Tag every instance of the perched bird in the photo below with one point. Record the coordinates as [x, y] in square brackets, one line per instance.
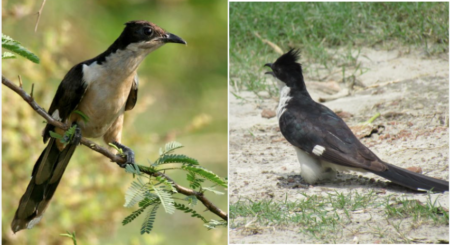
[93, 95]
[322, 140]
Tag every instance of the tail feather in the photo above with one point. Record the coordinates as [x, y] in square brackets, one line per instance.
[413, 180]
[47, 173]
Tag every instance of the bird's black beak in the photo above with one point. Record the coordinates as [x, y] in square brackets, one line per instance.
[269, 72]
[172, 38]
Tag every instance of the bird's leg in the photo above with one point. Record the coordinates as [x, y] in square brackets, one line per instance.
[76, 138]
[129, 154]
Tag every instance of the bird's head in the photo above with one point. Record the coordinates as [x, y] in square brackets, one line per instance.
[146, 35]
[287, 70]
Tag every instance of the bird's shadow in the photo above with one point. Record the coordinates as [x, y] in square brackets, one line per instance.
[342, 181]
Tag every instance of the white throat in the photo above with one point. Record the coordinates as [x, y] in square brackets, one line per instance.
[284, 99]
[118, 65]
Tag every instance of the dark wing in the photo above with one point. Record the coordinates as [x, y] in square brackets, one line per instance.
[313, 124]
[69, 94]
[132, 97]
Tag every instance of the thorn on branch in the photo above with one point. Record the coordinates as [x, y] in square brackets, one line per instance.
[32, 90]
[20, 81]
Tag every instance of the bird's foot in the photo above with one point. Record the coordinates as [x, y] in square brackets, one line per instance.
[76, 138]
[72, 137]
[127, 152]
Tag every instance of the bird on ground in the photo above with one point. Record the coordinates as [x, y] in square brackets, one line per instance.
[93, 97]
[322, 140]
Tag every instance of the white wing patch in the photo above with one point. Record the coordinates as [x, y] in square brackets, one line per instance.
[136, 80]
[284, 99]
[56, 116]
[91, 72]
[318, 150]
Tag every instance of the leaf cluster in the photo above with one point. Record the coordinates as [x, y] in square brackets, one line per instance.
[151, 192]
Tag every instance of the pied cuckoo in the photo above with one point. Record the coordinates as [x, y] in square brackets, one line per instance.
[322, 140]
[93, 95]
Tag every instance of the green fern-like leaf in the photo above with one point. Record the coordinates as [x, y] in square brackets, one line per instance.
[133, 216]
[186, 209]
[149, 200]
[8, 55]
[120, 151]
[165, 198]
[82, 115]
[173, 158]
[169, 147]
[167, 183]
[132, 168]
[211, 189]
[67, 137]
[214, 223]
[149, 170]
[206, 174]
[147, 226]
[143, 205]
[16, 47]
[55, 135]
[194, 182]
[71, 131]
[135, 193]
[192, 200]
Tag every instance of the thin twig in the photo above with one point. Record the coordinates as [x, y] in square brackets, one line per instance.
[114, 158]
[39, 15]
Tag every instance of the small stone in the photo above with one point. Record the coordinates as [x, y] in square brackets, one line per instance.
[415, 169]
[343, 114]
[266, 113]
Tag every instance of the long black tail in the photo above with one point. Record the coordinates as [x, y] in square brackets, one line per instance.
[413, 180]
[47, 173]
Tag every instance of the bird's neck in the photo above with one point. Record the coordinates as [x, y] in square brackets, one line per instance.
[114, 67]
[127, 59]
[297, 92]
[297, 85]
[124, 61]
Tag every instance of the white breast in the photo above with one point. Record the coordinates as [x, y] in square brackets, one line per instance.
[109, 85]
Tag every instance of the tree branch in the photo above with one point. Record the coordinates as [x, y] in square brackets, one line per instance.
[114, 158]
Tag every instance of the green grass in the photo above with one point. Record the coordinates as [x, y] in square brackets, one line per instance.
[313, 211]
[404, 208]
[328, 34]
[321, 215]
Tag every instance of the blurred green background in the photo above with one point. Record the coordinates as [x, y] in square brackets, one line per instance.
[182, 97]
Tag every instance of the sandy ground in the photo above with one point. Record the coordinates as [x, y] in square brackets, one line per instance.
[411, 93]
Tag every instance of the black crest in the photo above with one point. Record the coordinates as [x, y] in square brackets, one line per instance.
[288, 59]
[288, 70]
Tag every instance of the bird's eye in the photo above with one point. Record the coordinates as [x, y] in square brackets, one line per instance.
[148, 31]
